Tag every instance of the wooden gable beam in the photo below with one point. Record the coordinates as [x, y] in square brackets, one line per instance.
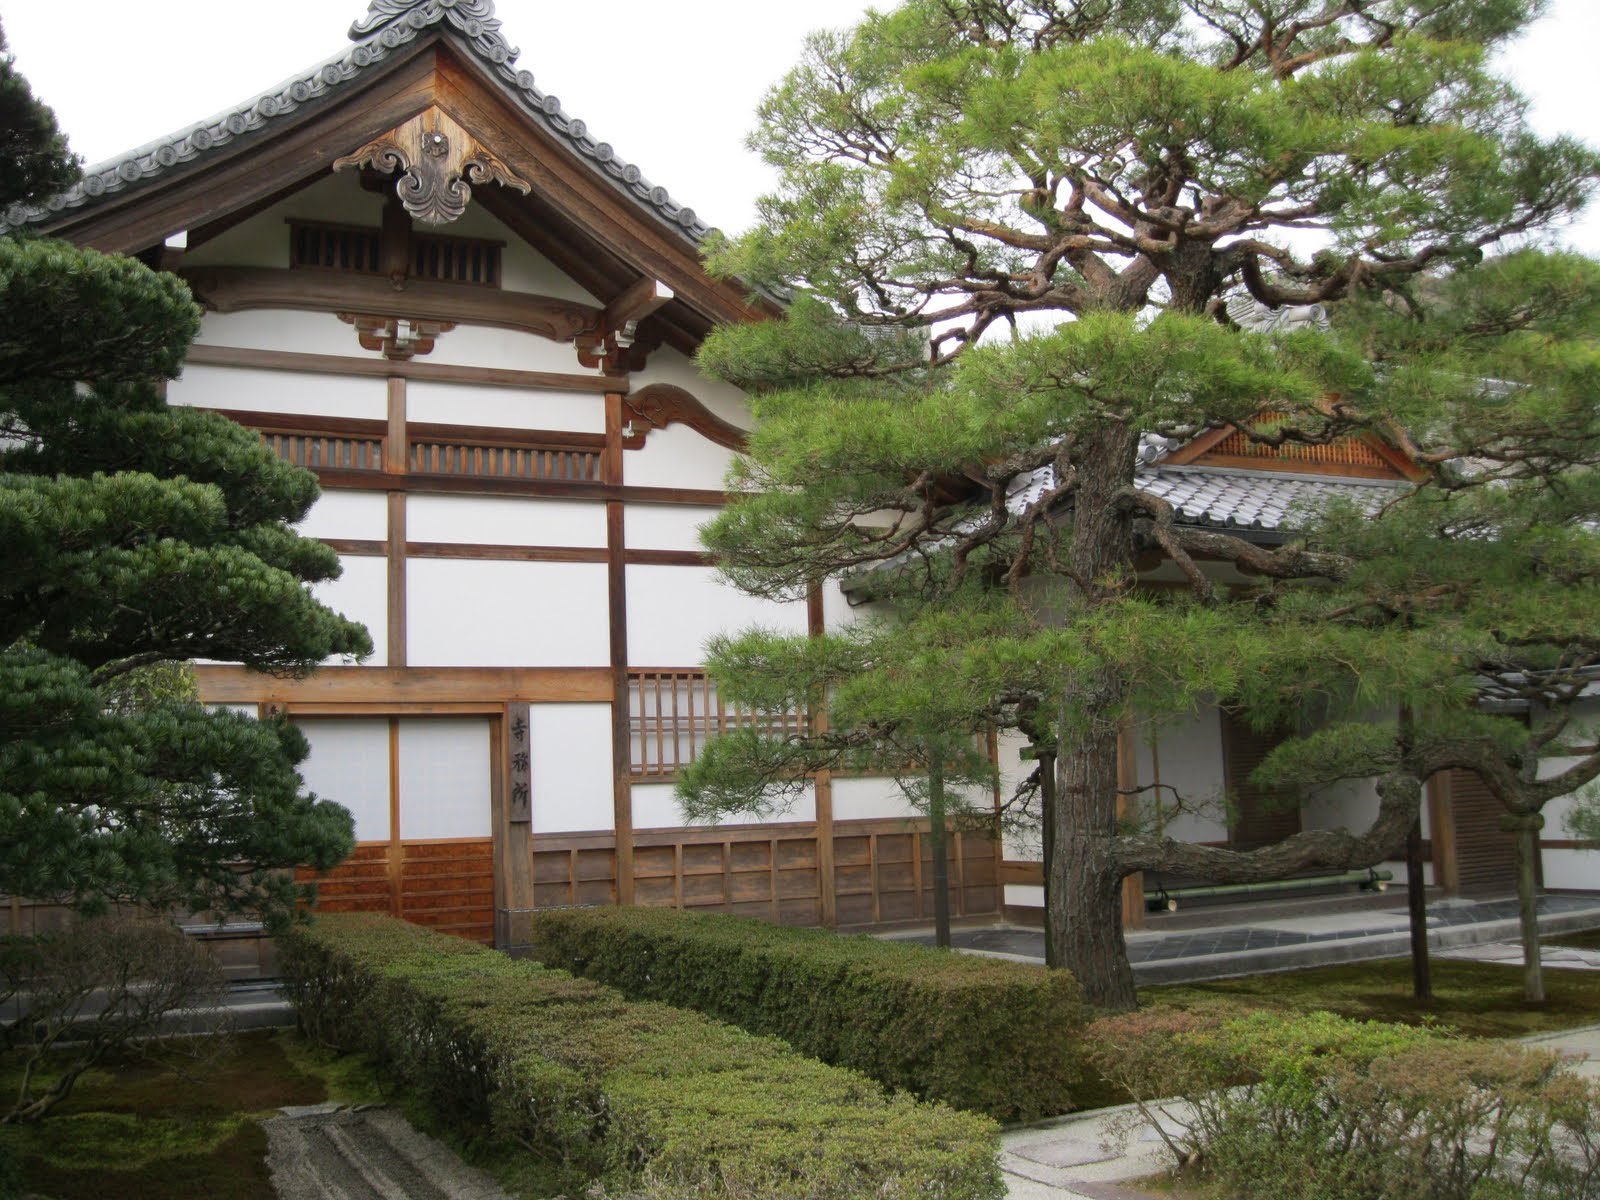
[253, 169]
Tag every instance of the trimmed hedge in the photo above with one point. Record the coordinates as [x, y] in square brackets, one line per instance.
[982, 1034]
[633, 1094]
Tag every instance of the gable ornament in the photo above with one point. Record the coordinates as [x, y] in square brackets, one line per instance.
[439, 164]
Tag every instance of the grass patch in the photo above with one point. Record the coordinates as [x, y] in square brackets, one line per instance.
[1478, 999]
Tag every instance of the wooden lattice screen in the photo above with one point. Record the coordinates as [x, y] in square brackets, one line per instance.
[673, 713]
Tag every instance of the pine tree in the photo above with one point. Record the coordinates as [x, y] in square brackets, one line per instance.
[134, 536]
[1010, 228]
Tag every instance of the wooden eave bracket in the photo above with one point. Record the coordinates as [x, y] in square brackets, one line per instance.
[396, 338]
[658, 405]
[616, 346]
[438, 160]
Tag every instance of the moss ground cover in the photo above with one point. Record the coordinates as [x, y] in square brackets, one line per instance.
[138, 1131]
[1479, 999]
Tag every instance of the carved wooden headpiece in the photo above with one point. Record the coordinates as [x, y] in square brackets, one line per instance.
[438, 160]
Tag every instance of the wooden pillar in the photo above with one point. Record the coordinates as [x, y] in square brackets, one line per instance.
[396, 848]
[1442, 833]
[511, 817]
[394, 463]
[1127, 781]
[822, 782]
[617, 595]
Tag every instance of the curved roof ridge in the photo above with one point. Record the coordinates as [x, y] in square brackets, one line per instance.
[387, 26]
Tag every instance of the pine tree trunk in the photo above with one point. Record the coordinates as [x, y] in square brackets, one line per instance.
[936, 846]
[1417, 906]
[1527, 827]
[1083, 878]
[1083, 924]
[1047, 824]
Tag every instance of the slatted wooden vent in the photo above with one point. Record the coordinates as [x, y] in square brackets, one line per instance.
[328, 452]
[672, 714]
[357, 250]
[1344, 452]
[456, 259]
[320, 246]
[431, 456]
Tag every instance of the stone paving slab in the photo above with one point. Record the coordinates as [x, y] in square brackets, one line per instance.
[1568, 957]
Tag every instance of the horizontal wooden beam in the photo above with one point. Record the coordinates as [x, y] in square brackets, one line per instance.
[470, 485]
[382, 368]
[398, 685]
[243, 289]
[635, 304]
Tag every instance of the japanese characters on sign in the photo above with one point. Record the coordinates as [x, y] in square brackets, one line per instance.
[519, 794]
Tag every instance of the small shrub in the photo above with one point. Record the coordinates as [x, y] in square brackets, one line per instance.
[1323, 1108]
[630, 1094]
[994, 1037]
[105, 984]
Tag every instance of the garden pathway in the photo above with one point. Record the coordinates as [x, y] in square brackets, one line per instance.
[1080, 1155]
[328, 1152]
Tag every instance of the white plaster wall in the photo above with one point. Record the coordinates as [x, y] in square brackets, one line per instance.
[509, 349]
[571, 767]
[444, 778]
[677, 456]
[1025, 895]
[1350, 804]
[1018, 842]
[344, 513]
[263, 241]
[502, 521]
[508, 408]
[279, 392]
[244, 710]
[284, 329]
[869, 797]
[1572, 870]
[506, 614]
[655, 806]
[665, 526]
[362, 594]
[1189, 753]
[349, 764]
[523, 269]
[673, 610]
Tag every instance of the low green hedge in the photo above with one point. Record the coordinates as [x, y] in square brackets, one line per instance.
[982, 1034]
[634, 1094]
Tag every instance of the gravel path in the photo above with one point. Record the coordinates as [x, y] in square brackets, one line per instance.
[330, 1153]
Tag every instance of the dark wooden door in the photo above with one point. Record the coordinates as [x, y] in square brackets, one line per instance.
[1261, 816]
[1485, 853]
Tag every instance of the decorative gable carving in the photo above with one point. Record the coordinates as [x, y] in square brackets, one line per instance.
[439, 162]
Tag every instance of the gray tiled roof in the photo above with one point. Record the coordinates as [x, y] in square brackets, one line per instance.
[388, 26]
[1267, 500]
[1228, 497]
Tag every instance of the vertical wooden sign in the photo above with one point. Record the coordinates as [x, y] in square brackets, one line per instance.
[519, 796]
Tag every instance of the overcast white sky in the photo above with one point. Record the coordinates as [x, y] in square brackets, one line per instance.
[672, 86]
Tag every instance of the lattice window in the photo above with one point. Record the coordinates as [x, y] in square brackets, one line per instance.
[672, 714]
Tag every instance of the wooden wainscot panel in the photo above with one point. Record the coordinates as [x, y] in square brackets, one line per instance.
[773, 871]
